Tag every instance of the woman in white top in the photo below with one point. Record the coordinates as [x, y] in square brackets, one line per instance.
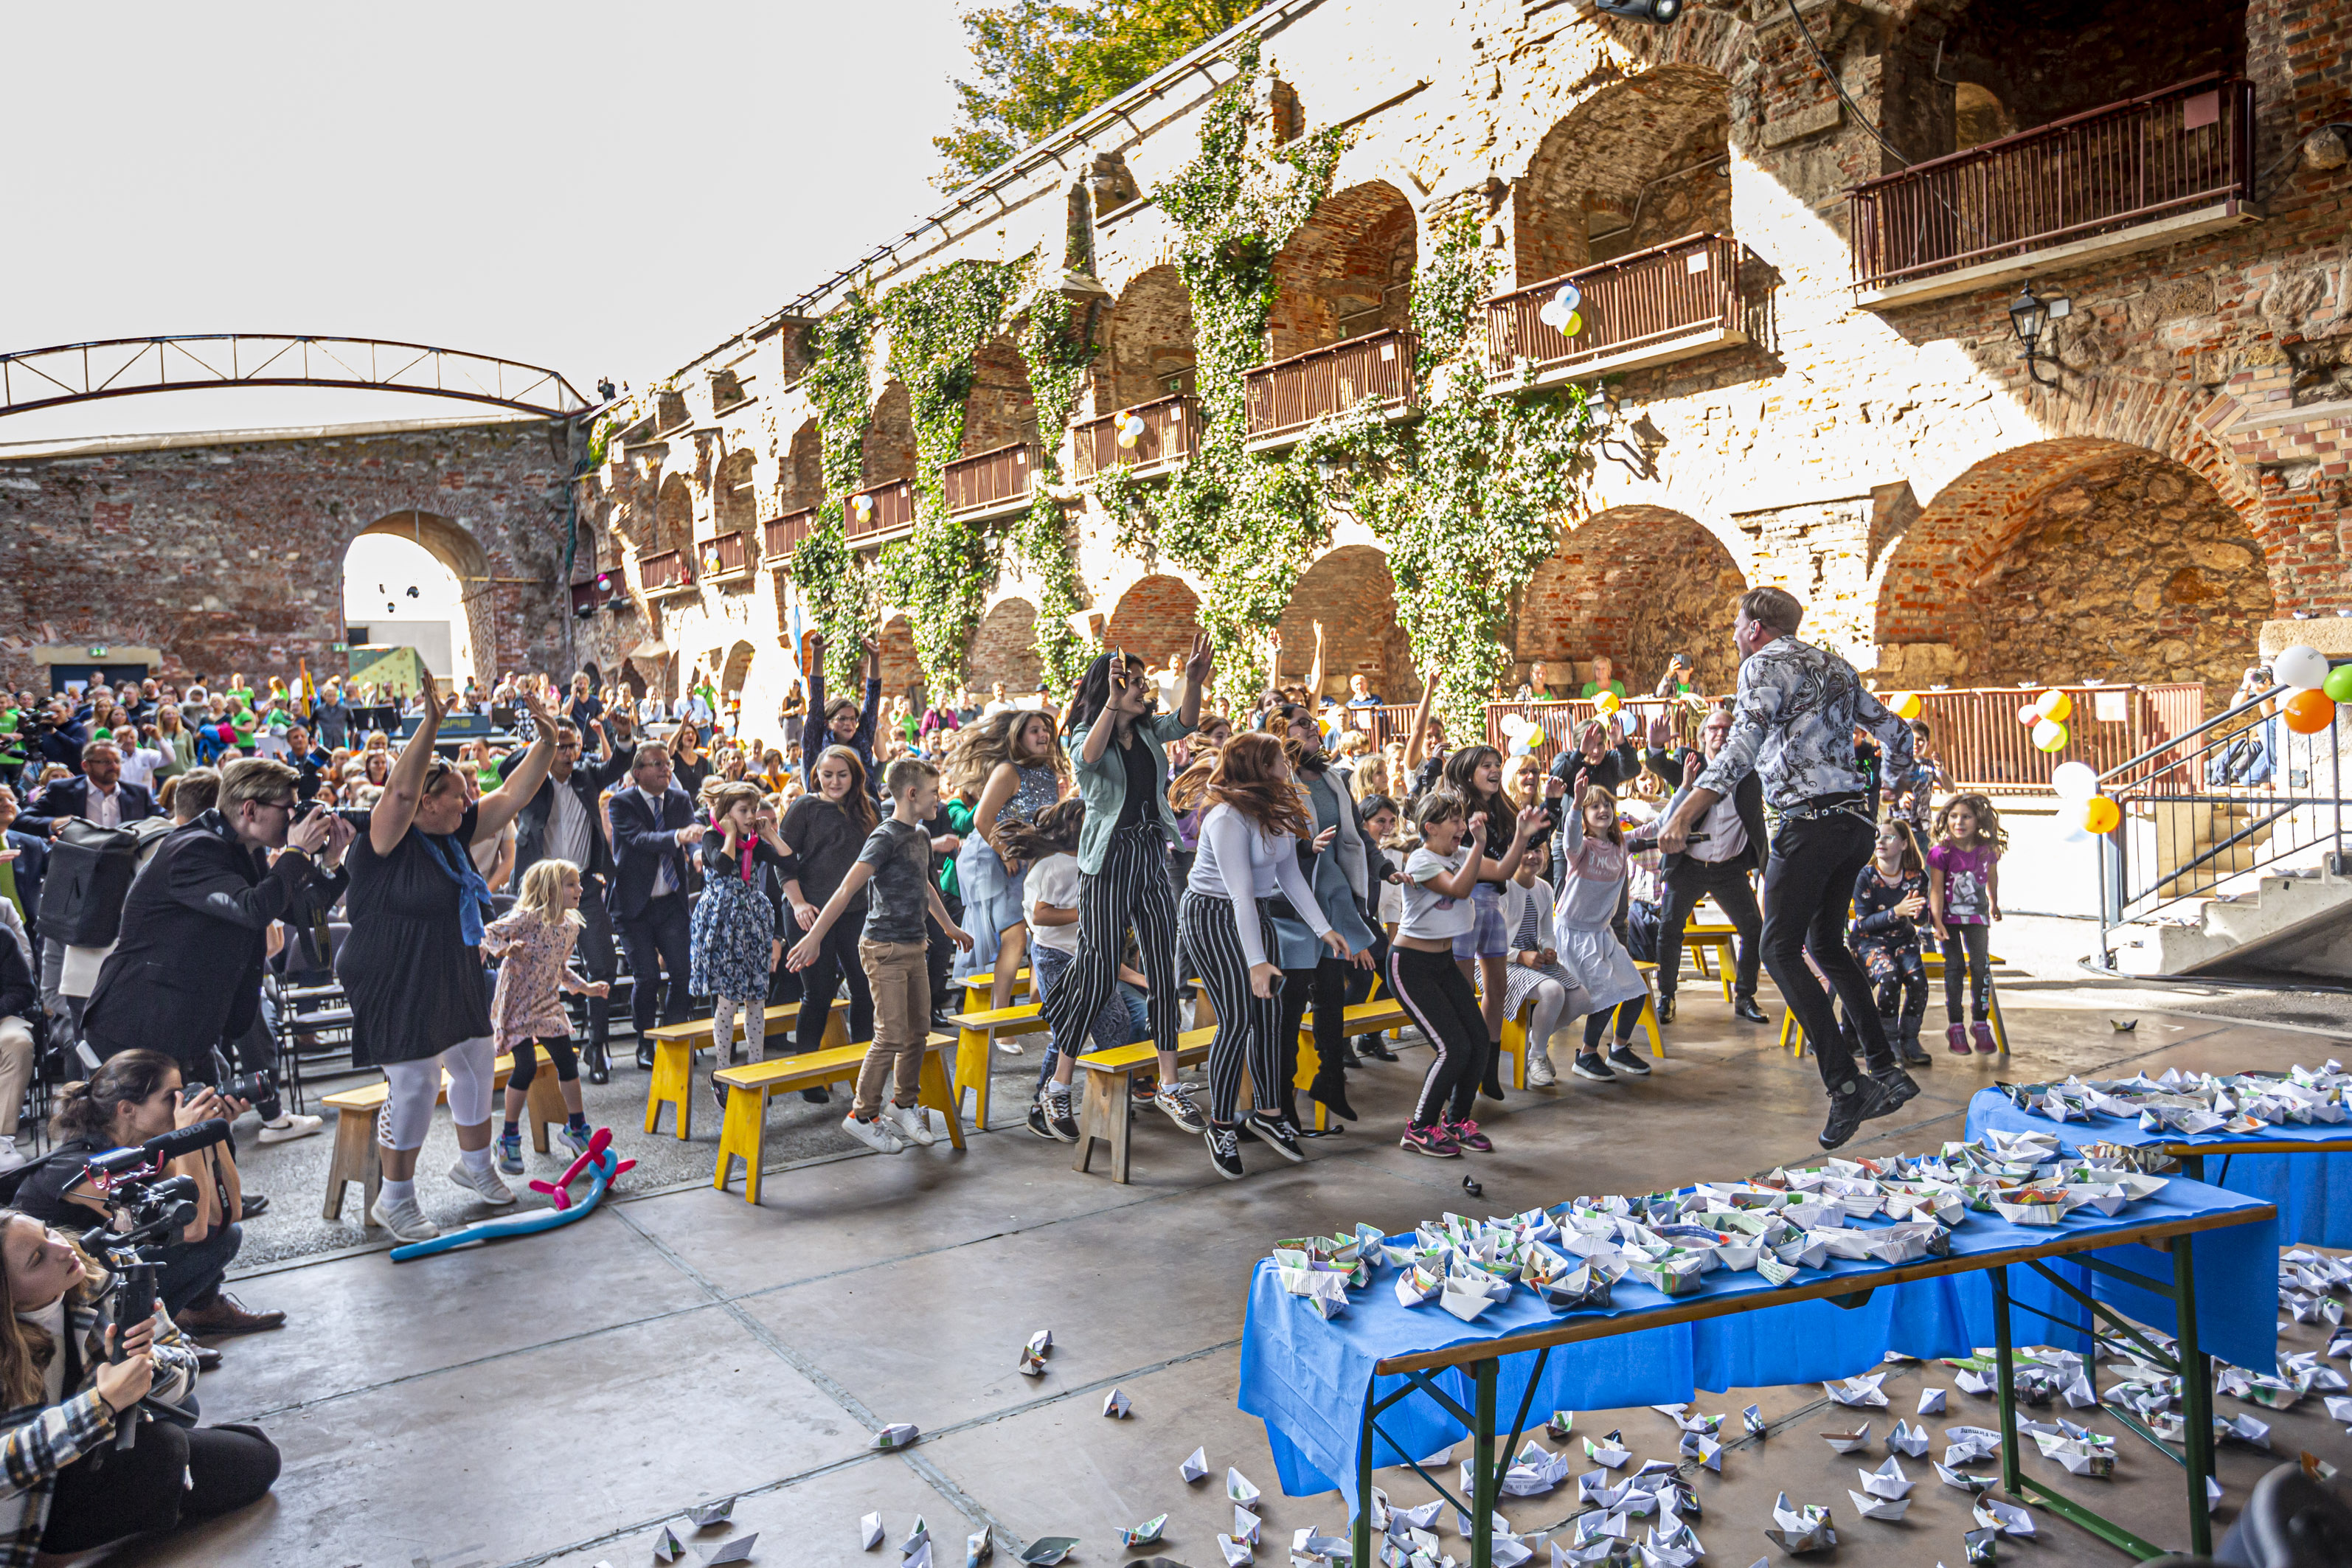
[1251, 823]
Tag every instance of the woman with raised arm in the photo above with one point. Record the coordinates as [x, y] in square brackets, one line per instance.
[410, 965]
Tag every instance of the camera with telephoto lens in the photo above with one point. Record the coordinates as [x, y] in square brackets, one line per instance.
[258, 1088]
[147, 1211]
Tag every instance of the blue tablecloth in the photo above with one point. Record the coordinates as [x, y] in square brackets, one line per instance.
[2313, 1190]
[1309, 1379]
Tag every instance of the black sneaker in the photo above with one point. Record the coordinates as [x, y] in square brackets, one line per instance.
[1622, 1060]
[1225, 1150]
[1864, 1099]
[1375, 1048]
[1274, 1130]
[1058, 1119]
[1588, 1064]
[1037, 1120]
[817, 1096]
[1898, 1084]
[1665, 1006]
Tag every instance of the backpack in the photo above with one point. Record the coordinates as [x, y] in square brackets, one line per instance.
[89, 876]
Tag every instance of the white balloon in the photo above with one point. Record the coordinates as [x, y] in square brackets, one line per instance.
[2074, 781]
[2303, 669]
[1568, 298]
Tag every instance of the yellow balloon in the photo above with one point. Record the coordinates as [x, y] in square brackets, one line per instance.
[1905, 705]
[2050, 735]
[1607, 703]
[1126, 440]
[2100, 814]
[1573, 325]
[2055, 706]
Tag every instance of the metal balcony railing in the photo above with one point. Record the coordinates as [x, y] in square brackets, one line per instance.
[1683, 295]
[1290, 394]
[2173, 151]
[1980, 745]
[1170, 426]
[993, 481]
[726, 557]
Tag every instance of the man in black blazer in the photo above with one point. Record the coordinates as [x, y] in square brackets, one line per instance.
[186, 974]
[98, 795]
[1718, 865]
[31, 859]
[560, 823]
[653, 829]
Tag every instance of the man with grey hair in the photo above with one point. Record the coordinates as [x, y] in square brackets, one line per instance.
[1793, 722]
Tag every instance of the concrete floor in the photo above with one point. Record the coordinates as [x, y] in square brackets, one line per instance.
[559, 1398]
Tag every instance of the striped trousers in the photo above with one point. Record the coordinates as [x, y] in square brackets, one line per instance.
[1131, 888]
[1249, 1028]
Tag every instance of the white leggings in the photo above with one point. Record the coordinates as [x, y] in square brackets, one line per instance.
[416, 1088]
[1551, 1002]
[723, 1010]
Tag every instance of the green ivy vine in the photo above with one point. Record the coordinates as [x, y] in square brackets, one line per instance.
[830, 575]
[1056, 348]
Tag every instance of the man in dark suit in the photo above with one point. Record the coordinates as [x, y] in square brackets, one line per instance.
[22, 877]
[98, 795]
[185, 972]
[560, 823]
[653, 828]
[1718, 865]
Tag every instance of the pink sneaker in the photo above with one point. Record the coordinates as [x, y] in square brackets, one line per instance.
[1431, 1141]
[1957, 1036]
[1983, 1033]
[1466, 1134]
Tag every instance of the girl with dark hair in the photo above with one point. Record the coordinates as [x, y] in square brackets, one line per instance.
[1121, 756]
[1475, 774]
[1012, 768]
[1251, 830]
[1592, 848]
[821, 834]
[1338, 871]
[1889, 896]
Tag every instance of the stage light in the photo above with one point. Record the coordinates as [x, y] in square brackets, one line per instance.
[1657, 13]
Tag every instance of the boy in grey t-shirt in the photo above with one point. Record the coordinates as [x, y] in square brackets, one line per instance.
[896, 859]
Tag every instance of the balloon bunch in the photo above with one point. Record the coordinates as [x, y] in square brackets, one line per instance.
[1608, 702]
[1128, 428]
[1558, 312]
[2316, 688]
[1519, 732]
[1904, 705]
[2046, 717]
[863, 506]
[2078, 789]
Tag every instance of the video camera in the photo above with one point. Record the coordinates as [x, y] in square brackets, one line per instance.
[147, 1210]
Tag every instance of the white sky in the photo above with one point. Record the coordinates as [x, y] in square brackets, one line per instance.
[379, 569]
[605, 189]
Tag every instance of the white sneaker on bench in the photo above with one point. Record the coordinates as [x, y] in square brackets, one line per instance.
[913, 1124]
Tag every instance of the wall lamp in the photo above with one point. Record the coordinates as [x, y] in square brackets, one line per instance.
[2030, 315]
[1657, 13]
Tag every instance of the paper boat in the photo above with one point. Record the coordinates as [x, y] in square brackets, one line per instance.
[1860, 1392]
[869, 1532]
[1849, 1442]
[1887, 1481]
[1245, 1524]
[1970, 1484]
[1468, 1297]
[1799, 1530]
[1887, 1508]
[1607, 1453]
[1236, 1553]
[1143, 1534]
[1238, 1489]
[2009, 1519]
[1907, 1440]
[1752, 1418]
[1116, 1405]
[1195, 1468]
[1705, 1449]
[1325, 1293]
[898, 1435]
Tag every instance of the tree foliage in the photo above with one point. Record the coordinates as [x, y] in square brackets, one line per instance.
[1038, 65]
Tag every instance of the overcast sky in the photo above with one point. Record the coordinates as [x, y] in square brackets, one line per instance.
[605, 189]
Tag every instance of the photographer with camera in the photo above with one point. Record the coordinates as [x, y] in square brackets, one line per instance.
[72, 1383]
[136, 1096]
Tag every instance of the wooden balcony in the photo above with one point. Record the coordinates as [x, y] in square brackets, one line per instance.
[1170, 426]
[892, 515]
[991, 484]
[2149, 172]
[1670, 302]
[728, 558]
[780, 536]
[665, 572]
[1288, 395]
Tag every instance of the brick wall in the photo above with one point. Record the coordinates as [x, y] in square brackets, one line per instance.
[1346, 272]
[1154, 619]
[1351, 592]
[1146, 337]
[1638, 584]
[1004, 648]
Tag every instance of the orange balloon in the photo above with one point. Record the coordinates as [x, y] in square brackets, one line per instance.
[2100, 814]
[2309, 712]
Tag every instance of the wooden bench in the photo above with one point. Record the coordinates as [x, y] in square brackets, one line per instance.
[1514, 1031]
[1377, 1015]
[675, 1044]
[978, 990]
[355, 1158]
[1792, 1032]
[1110, 1085]
[743, 1133]
[1699, 940]
[976, 1036]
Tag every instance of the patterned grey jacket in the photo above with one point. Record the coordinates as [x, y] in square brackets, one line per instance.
[1793, 722]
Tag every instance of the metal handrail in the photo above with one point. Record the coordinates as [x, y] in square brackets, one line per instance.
[2180, 741]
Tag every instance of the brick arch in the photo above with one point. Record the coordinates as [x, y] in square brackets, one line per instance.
[1000, 409]
[674, 515]
[1348, 270]
[736, 669]
[901, 671]
[1632, 166]
[1349, 591]
[890, 449]
[1147, 341]
[734, 495]
[1004, 648]
[450, 544]
[800, 484]
[2079, 558]
[1156, 616]
[1638, 584]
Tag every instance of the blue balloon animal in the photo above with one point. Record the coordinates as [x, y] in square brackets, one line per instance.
[600, 1169]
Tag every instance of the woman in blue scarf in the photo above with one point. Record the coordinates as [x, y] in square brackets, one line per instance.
[410, 965]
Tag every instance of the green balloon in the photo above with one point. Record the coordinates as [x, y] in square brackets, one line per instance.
[2338, 684]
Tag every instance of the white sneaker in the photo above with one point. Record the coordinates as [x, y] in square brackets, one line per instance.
[405, 1221]
[485, 1185]
[1539, 1072]
[11, 1157]
[913, 1124]
[875, 1135]
[289, 1128]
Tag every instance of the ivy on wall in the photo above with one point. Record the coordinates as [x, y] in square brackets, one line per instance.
[830, 575]
[1056, 348]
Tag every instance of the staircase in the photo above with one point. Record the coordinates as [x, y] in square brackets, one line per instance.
[2294, 926]
[2188, 829]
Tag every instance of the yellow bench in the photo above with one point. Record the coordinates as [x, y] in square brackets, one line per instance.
[1110, 1080]
[1699, 940]
[1514, 1031]
[1792, 1032]
[355, 1158]
[675, 1044]
[976, 1036]
[1378, 1016]
[743, 1133]
[978, 989]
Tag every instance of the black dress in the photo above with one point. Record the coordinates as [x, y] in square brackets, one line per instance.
[415, 987]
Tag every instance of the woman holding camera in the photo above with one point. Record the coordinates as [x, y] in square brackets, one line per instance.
[70, 1488]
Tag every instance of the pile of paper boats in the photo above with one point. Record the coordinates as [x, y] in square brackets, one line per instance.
[2192, 1103]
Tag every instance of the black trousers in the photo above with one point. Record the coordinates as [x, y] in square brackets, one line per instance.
[596, 955]
[1807, 890]
[836, 959]
[169, 1475]
[1131, 887]
[658, 937]
[1326, 986]
[1684, 886]
[1972, 953]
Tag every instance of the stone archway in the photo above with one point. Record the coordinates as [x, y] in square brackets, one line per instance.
[902, 672]
[801, 484]
[1347, 272]
[1641, 162]
[1000, 409]
[449, 543]
[1004, 648]
[734, 498]
[1349, 591]
[888, 453]
[1147, 338]
[1157, 616]
[2080, 558]
[674, 515]
[1638, 584]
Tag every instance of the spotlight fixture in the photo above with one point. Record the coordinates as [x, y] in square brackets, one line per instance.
[1657, 13]
[2030, 316]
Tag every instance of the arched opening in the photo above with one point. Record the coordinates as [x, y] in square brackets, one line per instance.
[1000, 409]
[1345, 273]
[902, 672]
[889, 452]
[734, 499]
[802, 481]
[1004, 648]
[674, 515]
[732, 675]
[1156, 618]
[1641, 162]
[1637, 584]
[1146, 339]
[1964, 72]
[1348, 592]
[410, 580]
